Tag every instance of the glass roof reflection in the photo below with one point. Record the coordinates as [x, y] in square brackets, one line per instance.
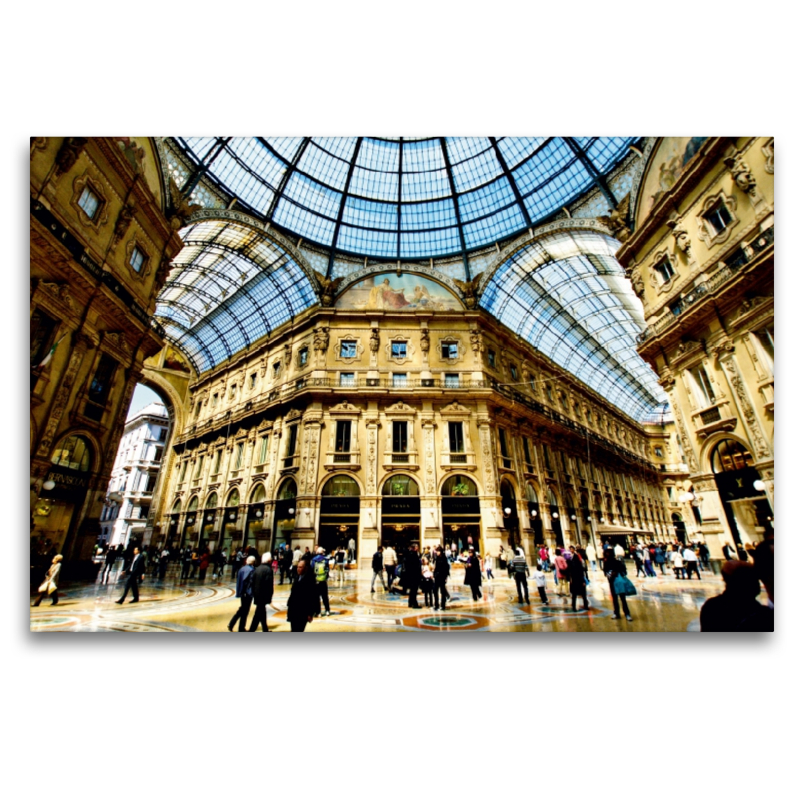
[404, 198]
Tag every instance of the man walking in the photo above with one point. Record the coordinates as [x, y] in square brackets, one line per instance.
[303, 598]
[351, 550]
[111, 557]
[322, 570]
[285, 562]
[377, 570]
[263, 584]
[521, 572]
[577, 579]
[244, 591]
[591, 556]
[135, 573]
[441, 571]
[390, 564]
[412, 572]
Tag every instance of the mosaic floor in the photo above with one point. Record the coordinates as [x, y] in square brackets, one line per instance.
[663, 604]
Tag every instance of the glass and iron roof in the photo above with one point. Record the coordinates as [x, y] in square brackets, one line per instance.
[403, 198]
[568, 297]
[228, 287]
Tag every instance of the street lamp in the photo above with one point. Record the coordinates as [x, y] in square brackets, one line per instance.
[555, 515]
[507, 512]
[758, 485]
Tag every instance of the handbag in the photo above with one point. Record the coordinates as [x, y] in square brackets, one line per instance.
[623, 587]
[47, 586]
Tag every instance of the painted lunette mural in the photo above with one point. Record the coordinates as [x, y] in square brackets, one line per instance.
[388, 292]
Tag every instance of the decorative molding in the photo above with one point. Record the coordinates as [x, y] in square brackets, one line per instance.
[134, 242]
[769, 154]
[400, 409]
[460, 349]
[709, 236]
[761, 447]
[101, 216]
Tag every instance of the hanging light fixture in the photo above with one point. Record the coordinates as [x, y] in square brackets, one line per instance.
[759, 485]
[49, 485]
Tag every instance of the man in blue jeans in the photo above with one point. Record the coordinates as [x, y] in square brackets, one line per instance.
[321, 570]
[244, 591]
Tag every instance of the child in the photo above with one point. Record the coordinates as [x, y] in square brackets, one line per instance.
[427, 583]
[539, 578]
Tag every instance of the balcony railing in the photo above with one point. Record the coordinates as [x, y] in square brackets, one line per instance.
[728, 268]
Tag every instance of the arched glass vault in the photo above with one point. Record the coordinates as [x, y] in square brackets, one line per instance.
[403, 197]
[228, 287]
[569, 297]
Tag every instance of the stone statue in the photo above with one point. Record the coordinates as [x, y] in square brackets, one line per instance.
[617, 220]
[182, 208]
[329, 288]
[374, 340]
[742, 176]
[424, 340]
[469, 289]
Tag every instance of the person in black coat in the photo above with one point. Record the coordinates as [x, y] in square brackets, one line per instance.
[736, 608]
[303, 598]
[244, 591]
[577, 579]
[613, 566]
[412, 573]
[263, 581]
[135, 574]
[472, 574]
[441, 571]
[286, 564]
[377, 570]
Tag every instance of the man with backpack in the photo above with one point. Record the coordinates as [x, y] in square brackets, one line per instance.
[321, 569]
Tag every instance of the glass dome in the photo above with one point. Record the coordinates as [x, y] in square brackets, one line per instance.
[403, 198]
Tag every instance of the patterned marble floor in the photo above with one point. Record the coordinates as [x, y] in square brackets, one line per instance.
[663, 604]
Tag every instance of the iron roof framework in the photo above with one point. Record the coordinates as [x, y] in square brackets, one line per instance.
[569, 298]
[228, 287]
[404, 198]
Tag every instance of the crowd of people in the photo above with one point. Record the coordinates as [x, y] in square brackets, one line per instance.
[409, 571]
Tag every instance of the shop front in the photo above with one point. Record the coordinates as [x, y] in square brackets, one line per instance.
[191, 525]
[254, 532]
[340, 509]
[400, 512]
[461, 513]
[230, 530]
[285, 515]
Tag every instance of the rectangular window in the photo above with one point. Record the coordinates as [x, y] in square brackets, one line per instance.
[162, 434]
[100, 387]
[262, 452]
[659, 452]
[664, 270]
[291, 442]
[214, 400]
[547, 462]
[514, 374]
[343, 436]
[491, 358]
[347, 379]
[199, 467]
[452, 381]
[449, 350]
[159, 454]
[398, 349]
[276, 369]
[718, 217]
[43, 328]
[253, 381]
[137, 259]
[565, 463]
[526, 451]
[456, 432]
[151, 483]
[765, 346]
[217, 462]
[302, 356]
[237, 463]
[89, 202]
[183, 471]
[504, 448]
[400, 380]
[400, 437]
[232, 391]
[348, 349]
[702, 386]
[197, 410]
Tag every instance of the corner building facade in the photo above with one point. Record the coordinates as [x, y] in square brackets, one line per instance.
[391, 422]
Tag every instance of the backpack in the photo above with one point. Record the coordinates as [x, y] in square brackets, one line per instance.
[321, 570]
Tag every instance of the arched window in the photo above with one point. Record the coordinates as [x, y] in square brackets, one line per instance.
[400, 485]
[729, 456]
[552, 500]
[259, 494]
[74, 452]
[288, 490]
[530, 493]
[176, 509]
[212, 500]
[193, 503]
[233, 499]
[459, 485]
[341, 485]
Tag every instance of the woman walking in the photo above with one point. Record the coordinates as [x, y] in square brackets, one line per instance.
[613, 568]
[49, 587]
